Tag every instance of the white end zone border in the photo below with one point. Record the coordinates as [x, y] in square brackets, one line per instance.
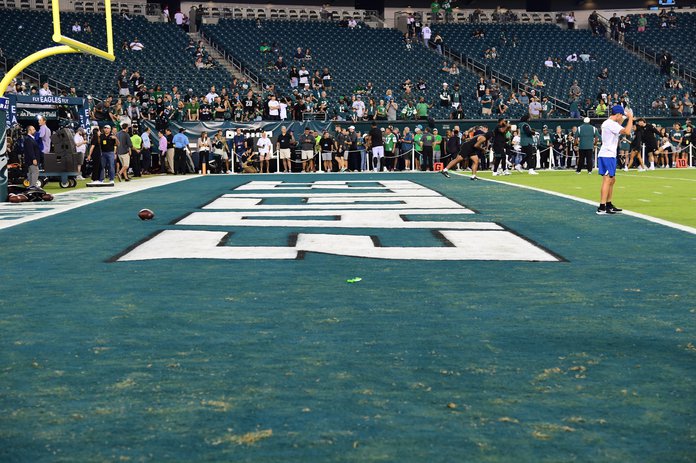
[649, 218]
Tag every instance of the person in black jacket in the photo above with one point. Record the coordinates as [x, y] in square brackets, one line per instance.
[636, 146]
[32, 154]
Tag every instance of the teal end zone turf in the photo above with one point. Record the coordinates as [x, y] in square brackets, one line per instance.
[589, 359]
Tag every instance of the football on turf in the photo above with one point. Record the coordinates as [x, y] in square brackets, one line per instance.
[146, 214]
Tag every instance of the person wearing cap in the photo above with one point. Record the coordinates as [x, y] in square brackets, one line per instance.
[471, 149]
[352, 151]
[587, 138]
[611, 131]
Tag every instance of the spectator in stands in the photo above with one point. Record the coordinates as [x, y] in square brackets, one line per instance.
[352, 23]
[534, 108]
[136, 45]
[280, 64]
[179, 18]
[601, 108]
[675, 107]
[585, 57]
[604, 74]
[642, 23]
[687, 105]
[666, 63]
[86, 28]
[487, 103]
[438, 41]
[536, 82]
[426, 33]
[44, 90]
[549, 62]
[422, 108]
[76, 28]
[674, 84]
[570, 20]
[308, 54]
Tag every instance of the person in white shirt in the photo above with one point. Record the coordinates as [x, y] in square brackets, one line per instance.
[165, 13]
[359, 106]
[81, 149]
[77, 28]
[572, 58]
[136, 45]
[179, 18]
[548, 63]
[273, 109]
[264, 146]
[606, 158]
[44, 90]
[352, 23]
[210, 97]
[283, 110]
[427, 33]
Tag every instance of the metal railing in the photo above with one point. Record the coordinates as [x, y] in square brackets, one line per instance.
[237, 64]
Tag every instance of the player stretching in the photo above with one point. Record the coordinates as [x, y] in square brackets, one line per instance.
[471, 149]
[611, 130]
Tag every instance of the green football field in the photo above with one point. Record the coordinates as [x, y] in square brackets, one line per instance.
[669, 194]
[491, 324]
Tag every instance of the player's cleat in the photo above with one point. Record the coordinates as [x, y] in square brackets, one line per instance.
[495, 174]
[533, 172]
[577, 171]
[445, 173]
[652, 168]
[603, 211]
[473, 177]
[518, 168]
[625, 169]
[589, 172]
[612, 208]
[506, 172]
[641, 169]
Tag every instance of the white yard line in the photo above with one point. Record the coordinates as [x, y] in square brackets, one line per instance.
[68, 200]
[649, 218]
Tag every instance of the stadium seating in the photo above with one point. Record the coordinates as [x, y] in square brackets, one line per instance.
[353, 56]
[677, 41]
[536, 42]
[164, 60]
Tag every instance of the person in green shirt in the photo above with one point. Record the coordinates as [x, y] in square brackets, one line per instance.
[418, 146]
[437, 146]
[587, 138]
[601, 109]
[422, 109]
[447, 8]
[192, 109]
[381, 111]
[389, 145]
[435, 10]
[409, 111]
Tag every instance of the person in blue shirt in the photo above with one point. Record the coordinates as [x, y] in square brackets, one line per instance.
[406, 147]
[180, 143]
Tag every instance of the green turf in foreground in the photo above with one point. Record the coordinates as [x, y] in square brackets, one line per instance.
[668, 194]
[187, 360]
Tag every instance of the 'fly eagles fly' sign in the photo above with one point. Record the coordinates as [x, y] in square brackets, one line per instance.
[386, 205]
